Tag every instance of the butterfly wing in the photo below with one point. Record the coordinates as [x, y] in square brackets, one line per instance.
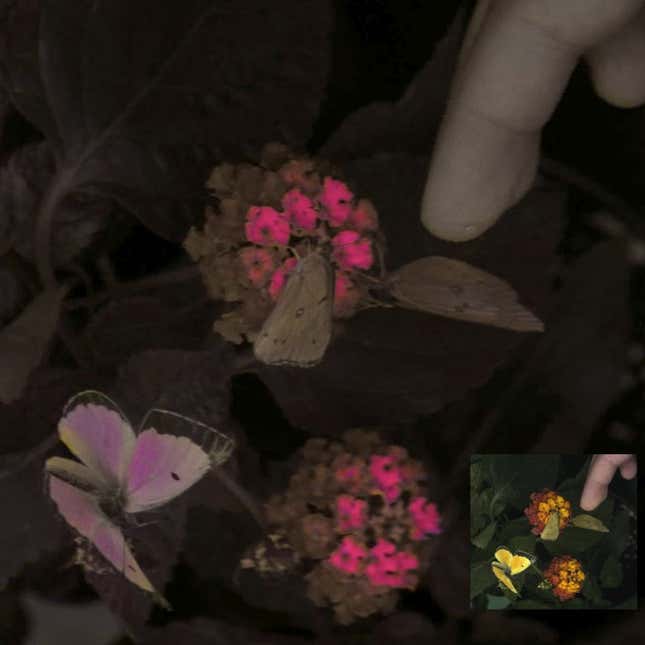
[502, 576]
[298, 330]
[455, 289]
[162, 467]
[521, 562]
[98, 433]
[551, 530]
[504, 556]
[81, 511]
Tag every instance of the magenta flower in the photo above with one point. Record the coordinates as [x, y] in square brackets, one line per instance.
[346, 296]
[387, 475]
[389, 568]
[351, 512]
[364, 217]
[258, 264]
[300, 209]
[348, 556]
[279, 277]
[337, 201]
[266, 226]
[351, 251]
[425, 516]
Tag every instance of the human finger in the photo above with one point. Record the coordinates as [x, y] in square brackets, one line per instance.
[601, 472]
[507, 86]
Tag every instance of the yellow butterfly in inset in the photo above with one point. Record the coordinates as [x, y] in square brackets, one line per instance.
[551, 530]
[508, 564]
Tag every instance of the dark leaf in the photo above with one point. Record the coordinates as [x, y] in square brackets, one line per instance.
[409, 124]
[482, 539]
[611, 574]
[24, 342]
[481, 578]
[589, 522]
[140, 97]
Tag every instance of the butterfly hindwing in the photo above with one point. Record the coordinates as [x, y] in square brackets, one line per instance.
[298, 330]
[502, 576]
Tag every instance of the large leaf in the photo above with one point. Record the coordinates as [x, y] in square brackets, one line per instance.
[589, 522]
[24, 342]
[139, 97]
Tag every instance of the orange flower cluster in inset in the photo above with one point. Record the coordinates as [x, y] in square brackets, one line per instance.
[542, 505]
[566, 576]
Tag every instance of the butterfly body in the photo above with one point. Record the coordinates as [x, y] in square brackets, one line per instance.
[508, 564]
[298, 330]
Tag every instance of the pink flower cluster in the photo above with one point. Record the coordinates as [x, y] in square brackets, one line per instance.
[425, 515]
[382, 564]
[311, 210]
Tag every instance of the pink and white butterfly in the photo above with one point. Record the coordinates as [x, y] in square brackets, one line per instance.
[124, 473]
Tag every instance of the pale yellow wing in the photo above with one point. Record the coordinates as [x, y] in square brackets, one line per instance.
[551, 529]
[298, 330]
[504, 580]
[505, 556]
[520, 563]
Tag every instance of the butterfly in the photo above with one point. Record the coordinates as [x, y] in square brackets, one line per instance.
[121, 473]
[551, 530]
[507, 564]
[298, 330]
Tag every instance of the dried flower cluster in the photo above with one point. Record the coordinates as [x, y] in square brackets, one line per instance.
[566, 576]
[358, 508]
[265, 217]
[542, 505]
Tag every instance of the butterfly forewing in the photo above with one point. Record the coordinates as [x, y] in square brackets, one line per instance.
[298, 330]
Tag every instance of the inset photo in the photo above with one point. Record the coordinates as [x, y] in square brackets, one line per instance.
[553, 531]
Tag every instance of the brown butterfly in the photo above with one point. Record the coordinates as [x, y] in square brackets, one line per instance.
[298, 330]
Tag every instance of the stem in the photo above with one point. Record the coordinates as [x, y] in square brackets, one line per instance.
[242, 496]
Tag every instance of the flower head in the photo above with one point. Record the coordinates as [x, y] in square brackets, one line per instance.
[300, 209]
[266, 226]
[351, 251]
[348, 556]
[336, 198]
[390, 568]
[258, 264]
[351, 512]
[566, 576]
[279, 277]
[386, 473]
[542, 505]
[425, 517]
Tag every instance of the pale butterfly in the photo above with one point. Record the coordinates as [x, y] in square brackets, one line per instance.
[551, 530]
[507, 564]
[298, 330]
[123, 473]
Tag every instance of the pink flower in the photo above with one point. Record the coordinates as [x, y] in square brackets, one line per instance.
[266, 226]
[364, 217]
[387, 475]
[279, 277]
[337, 201]
[351, 251]
[425, 516]
[346, 296]
[389, 568]
[348, 556]
[300, 209]
[258, 264]
[351, 512]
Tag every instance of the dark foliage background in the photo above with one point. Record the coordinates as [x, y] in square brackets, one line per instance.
[111, 115]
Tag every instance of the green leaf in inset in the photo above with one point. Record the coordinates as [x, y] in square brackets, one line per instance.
[497, 602]
[584, 521]
[573, 541]
[484, 537]
[611, 574]
[481, 578]
[591, 590]
[523, 543]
